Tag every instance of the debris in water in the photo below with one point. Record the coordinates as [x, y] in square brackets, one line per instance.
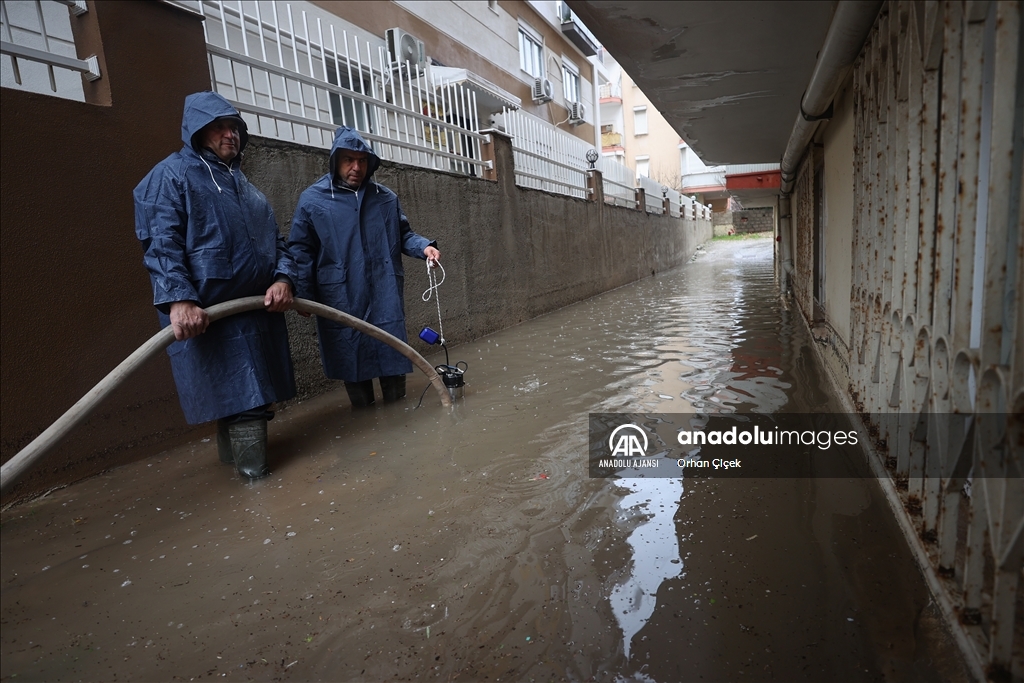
[540, 476]
[752, 537]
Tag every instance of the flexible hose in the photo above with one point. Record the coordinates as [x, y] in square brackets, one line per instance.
[12, 470]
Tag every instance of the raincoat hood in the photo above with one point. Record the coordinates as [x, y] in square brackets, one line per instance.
[350, 139]
[202, 108]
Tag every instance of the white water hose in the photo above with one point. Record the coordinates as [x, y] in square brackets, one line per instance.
[12, 470]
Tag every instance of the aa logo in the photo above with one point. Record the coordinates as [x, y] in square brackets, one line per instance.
[626, 444]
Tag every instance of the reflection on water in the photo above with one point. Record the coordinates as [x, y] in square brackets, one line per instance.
[654, 548]
[717, 331]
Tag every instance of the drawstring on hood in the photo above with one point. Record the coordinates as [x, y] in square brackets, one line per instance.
[210, 169]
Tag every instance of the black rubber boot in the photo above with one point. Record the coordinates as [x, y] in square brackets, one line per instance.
[249, 446]
[360, 393]
[392, 387]
[224, 443]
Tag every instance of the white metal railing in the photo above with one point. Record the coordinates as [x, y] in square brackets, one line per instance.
[546, 158]
[296, 77]
[618, 180]
[675, 202]
[653, 194]
[608, 90]
[39, 49]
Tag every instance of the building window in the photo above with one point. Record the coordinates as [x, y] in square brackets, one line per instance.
[643, 167]
[531, 53]
[639, 120]
[570, 81]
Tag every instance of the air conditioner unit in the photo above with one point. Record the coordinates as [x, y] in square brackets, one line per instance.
[404, 47]
[543, 91]
[577, 113]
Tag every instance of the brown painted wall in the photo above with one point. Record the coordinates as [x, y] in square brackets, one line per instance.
[75, 297]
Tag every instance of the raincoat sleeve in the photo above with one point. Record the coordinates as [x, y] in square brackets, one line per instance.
[285, 261]
[412, 244]
[160, 224]
[305, 245]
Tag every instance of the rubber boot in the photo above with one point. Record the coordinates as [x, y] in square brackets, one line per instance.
[249, 446]
[224, 443]
[360, 393]
[392, 387]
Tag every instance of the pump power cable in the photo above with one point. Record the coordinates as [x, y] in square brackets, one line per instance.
[433, 290]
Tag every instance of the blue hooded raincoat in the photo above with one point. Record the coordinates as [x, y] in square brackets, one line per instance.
[209, 236]
[348, 247]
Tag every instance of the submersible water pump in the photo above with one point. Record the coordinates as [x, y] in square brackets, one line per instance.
[453, 376]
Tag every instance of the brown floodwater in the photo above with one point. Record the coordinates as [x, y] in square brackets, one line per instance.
[395, 543]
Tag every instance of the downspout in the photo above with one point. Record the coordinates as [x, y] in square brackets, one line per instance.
[850, 26]
[844, 41]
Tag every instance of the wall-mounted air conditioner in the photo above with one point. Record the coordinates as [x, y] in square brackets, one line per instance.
[543, 91]
[577, 113]
[405, 48]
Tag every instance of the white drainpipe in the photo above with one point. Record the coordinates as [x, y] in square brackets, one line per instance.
[850, 26]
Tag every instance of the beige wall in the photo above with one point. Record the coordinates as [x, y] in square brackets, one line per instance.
[838, 141]
[661, 143]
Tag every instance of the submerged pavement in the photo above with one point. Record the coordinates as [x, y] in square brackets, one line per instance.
[396, 543]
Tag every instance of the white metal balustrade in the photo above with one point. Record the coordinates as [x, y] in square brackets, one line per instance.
[545, 157]
[296, 77]
[618, 180]
[39, 49]
[654, 194]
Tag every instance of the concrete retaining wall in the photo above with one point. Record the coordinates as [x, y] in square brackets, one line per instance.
[760, 219]
[510, 253]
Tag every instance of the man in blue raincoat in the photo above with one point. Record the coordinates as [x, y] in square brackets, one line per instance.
[348, 236]
[209, 236]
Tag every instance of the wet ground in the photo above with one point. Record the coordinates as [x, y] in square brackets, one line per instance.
[401, 544]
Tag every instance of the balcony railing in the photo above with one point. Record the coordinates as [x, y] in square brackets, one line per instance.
[611, 139]
[298, 78]
[619, 182]
[576, 32]
[546, 158]
[610, 91]
[39, 48]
